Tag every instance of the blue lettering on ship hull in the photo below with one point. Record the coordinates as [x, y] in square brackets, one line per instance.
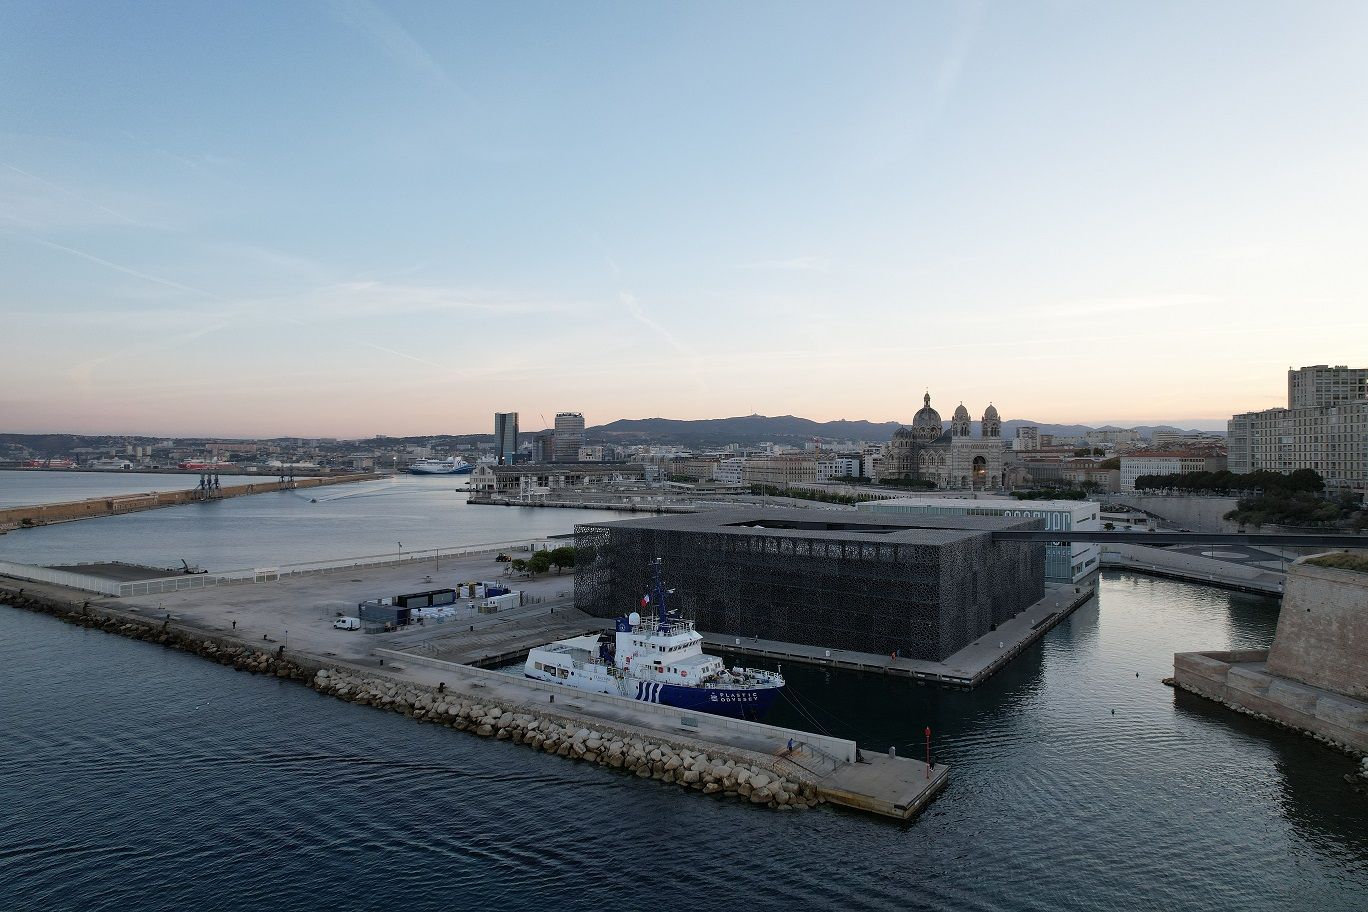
[719, 701]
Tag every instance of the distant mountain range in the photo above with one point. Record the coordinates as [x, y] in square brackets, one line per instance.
[790, 429]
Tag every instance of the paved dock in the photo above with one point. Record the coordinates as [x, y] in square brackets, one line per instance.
[510, 637]
[889, 786]
[893, 787]
[298, 611]
[967, 668]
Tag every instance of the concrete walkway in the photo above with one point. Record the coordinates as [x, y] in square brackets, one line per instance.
[967, 668]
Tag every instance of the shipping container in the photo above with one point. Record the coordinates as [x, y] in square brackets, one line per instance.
[502, 602]
[381, 613]
[425, 599]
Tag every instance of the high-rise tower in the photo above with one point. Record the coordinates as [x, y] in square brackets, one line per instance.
[569, 436]
[505, 437]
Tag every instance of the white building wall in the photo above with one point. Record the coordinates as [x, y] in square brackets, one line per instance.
[1064, 562]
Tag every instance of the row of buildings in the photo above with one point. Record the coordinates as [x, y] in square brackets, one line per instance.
[955, 458]
[563, 444]
[1324, 428]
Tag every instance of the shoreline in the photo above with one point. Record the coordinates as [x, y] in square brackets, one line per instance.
[38, 515]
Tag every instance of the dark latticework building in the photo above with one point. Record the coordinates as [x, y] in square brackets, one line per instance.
[922, 586]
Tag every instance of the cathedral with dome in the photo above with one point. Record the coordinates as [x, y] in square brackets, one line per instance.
[952, 459]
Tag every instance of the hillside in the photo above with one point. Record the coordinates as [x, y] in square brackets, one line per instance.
[790, 429]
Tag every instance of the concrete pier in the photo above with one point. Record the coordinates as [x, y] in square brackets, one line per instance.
[90, 508]
[284, 627]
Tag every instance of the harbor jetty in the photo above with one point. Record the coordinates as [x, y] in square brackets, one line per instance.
[92, 507]
[762, 765]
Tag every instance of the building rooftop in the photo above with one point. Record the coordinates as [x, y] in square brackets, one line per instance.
[986, 503]
[827, 525]
[561, 468]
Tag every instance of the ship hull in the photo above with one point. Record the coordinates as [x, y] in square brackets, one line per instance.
[739, 703]
[736, 702]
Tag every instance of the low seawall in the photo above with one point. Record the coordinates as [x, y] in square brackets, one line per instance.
[1239, 680]
[90, 508]
[1314, 677]
[1191, 568]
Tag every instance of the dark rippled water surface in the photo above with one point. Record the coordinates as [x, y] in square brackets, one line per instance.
[132, 777]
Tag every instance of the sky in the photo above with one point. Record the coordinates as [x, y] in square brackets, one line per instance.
[370, 216]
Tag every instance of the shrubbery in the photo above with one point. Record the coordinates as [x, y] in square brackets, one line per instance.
[1224, 482]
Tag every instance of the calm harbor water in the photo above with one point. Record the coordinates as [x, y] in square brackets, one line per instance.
[283, 527]
[136, 777]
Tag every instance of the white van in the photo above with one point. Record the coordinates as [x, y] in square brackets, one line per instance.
[347, 623]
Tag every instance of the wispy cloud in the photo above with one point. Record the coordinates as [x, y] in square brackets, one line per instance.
[376, 298]
[374, 22]
[82, 373]
[793, 264]
[127, 270]
[128, 219]
[630, 302]
[405, 355]
[956, 54]
[903, 117]
[1127, 304]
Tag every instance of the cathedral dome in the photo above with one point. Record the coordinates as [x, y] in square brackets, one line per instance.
[927, 417]
[961, 413]
[992, 424]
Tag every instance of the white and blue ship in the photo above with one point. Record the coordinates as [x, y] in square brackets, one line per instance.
[658, 658]
[450, 466]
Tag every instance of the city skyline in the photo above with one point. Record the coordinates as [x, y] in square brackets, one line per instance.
[357, 218]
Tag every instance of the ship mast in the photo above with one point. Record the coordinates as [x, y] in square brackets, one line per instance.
[658, 593]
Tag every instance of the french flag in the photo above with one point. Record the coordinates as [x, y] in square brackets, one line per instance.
[645, 600]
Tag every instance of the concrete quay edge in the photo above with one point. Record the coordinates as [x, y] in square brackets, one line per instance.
[1239, 680]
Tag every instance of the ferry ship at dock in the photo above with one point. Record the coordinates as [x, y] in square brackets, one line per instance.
[451, 466]
[655, 659]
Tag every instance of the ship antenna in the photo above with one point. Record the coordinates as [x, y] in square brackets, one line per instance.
[660, 599]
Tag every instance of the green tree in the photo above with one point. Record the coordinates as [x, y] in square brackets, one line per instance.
[540, 562]
[562, 557]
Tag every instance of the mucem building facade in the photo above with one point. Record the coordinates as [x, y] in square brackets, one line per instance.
[923, 587]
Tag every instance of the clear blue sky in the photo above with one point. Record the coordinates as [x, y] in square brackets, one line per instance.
[360, 217]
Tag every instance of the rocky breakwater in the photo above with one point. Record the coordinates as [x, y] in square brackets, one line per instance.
[224, 650]
[707, 768]
[711, 771]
